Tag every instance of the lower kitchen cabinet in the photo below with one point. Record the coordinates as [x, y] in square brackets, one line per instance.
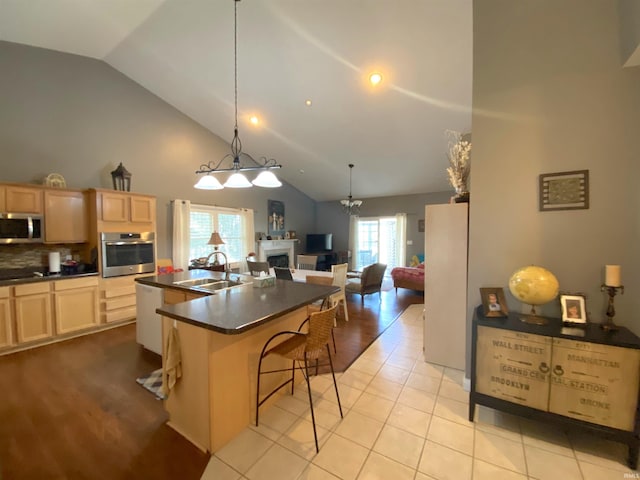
[33, 312]
[118, 298]
[6, 319]
[76, 304]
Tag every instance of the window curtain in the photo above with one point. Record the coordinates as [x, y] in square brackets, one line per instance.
[249, 236]
[181, 235]
[353, 239]
[401, 239]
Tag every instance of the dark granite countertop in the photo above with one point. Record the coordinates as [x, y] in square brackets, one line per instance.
[237, 309]
[16, 276]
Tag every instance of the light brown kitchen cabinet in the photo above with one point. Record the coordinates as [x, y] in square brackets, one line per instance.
[118, 298]
[3, 196]
[126, 207]
[143, 209]
[32, 302]
[6, 320]
[25, 199]
[76, 304]
[65, 216]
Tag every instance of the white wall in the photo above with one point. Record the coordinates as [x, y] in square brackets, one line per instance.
[550, 95]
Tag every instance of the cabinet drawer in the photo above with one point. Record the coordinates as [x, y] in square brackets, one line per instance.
[121, 314]
[120, 291]
[120, 302]
[4, 292]
[31, 289]
[72, 283]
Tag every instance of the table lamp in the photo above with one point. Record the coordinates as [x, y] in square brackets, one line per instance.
[215, 240]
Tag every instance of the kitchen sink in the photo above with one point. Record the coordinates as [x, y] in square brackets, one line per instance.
[219, 285]
[195, 282]
[208, 284]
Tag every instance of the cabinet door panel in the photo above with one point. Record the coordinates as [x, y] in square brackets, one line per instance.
[6, 325]
[76, 309]
[23, 200]
[65, 217]
[33, 317]
[513, 366]
[595, 383]
[143, 209]
[115, 207]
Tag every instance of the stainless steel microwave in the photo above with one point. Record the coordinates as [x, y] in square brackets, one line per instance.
[21, 228]
[128, 253]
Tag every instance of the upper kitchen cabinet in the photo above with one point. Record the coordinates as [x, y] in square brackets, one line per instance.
[65, 216]
[124, 209]
[21, 199]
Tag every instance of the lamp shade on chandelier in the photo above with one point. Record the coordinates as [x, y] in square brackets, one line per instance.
[266, 178]
[349, 205]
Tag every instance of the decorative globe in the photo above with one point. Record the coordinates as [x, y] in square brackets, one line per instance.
[534, 285]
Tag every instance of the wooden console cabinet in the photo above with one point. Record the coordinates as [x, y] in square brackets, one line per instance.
[578, 376]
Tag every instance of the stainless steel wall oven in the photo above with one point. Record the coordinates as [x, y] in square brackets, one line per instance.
[128, 253]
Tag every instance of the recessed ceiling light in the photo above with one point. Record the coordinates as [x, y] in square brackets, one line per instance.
[301, 171]
[308, 102]
[375, 78]
[254, 120]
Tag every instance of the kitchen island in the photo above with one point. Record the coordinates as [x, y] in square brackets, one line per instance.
[221, 336]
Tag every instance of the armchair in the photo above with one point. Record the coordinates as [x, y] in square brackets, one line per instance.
[370, 281]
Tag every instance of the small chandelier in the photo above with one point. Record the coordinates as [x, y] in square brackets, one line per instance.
[266, 178]
[351, 206]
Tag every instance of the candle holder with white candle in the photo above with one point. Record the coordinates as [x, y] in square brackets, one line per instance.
[611, 285]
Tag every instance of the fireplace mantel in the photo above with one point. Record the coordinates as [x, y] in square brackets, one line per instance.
[266, 248]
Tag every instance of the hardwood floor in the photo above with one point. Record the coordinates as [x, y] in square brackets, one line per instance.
[73, 410]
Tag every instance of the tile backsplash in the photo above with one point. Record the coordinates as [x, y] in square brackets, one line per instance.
[31, 255]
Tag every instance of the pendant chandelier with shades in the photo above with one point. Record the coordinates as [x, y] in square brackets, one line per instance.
[351, 206]
[237, 179]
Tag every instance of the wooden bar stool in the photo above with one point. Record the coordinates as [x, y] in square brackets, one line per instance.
[301, 347]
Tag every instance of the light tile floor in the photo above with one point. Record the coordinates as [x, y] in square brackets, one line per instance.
[407, 419]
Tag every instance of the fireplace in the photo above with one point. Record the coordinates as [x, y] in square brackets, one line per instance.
[280, 260]
[277, 248]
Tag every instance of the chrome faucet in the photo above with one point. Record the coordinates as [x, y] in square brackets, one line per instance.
[227, 270]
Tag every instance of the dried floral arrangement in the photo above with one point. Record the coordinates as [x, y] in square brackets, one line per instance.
[458, 152]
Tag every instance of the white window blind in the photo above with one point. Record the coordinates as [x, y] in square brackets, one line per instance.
[233, 225]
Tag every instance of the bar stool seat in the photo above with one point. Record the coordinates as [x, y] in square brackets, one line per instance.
[302, 348]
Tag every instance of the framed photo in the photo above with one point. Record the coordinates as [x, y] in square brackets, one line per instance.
[275, 218]
[421, 225]
[564, 191]
[574, 308]
[493, 302]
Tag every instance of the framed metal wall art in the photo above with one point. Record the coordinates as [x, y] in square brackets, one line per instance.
[564, 191]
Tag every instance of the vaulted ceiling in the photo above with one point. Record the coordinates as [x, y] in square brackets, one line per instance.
[290, 51]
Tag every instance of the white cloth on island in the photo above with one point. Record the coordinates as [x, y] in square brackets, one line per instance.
[172, 364]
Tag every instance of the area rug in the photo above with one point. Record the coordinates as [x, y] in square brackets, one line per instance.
[153, 383]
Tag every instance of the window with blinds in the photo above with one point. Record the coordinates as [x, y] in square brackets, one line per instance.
[227, 222]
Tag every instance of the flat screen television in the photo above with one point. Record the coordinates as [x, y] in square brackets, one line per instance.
[319, 242]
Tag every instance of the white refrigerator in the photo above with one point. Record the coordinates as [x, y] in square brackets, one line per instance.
[148, 322]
